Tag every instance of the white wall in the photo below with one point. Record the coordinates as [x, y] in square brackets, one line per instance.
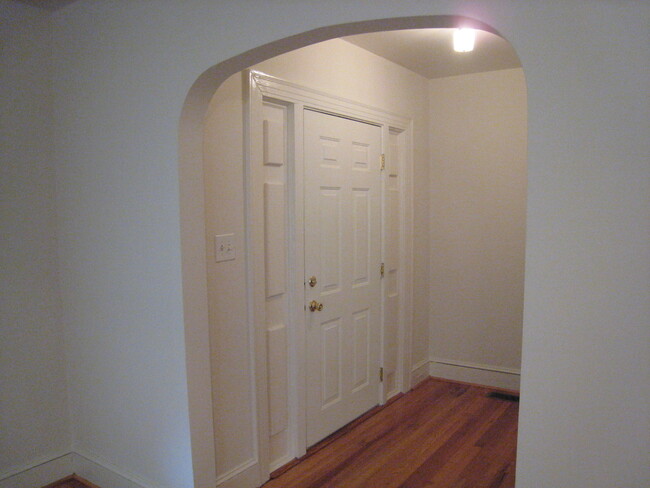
[119, 250]
[34, 420]
[335, 67]
[122, 72]
[587, 302]
[478, 222]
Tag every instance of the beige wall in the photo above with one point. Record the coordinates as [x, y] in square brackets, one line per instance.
[478, 218]
[338, 68]
[224, 207]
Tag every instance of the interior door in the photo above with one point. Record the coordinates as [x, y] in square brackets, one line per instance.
[342, 266]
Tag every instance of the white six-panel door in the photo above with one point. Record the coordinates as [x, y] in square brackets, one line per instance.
[343, 253]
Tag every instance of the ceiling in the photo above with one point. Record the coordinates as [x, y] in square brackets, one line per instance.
[429, 52]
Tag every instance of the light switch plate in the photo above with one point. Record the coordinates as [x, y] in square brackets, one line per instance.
[224, 247]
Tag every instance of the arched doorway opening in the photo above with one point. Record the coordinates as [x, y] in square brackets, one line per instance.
[192, 146]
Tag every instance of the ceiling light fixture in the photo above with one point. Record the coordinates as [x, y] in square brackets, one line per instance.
[464, 40]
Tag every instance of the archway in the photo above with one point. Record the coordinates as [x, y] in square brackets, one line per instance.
[193, 243]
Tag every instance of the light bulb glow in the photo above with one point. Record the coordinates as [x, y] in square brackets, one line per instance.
[464, 40]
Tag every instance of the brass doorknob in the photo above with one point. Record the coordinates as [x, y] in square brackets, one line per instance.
[315, 306]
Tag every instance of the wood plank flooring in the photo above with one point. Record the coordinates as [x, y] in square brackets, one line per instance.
[440, 435]
[72, 481]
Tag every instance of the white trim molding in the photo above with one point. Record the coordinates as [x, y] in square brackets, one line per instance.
[56, 467]
[39, 473]
[281, 462]
[222, 479]
[104, 474]
[481, 374]
[419, 372]
[278, 88]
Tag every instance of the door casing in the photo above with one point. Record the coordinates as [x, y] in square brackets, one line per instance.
[259, 89]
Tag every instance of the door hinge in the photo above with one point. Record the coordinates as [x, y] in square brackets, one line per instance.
[382, 162]
[381, 270]
[381, 374]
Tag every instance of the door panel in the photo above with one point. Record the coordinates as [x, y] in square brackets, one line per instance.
[331, 343]
[361, 229]
[361, 373]
[343, 251]
[329, 235]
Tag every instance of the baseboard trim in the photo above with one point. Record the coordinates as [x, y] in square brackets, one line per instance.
[247, 476]
[481, 374]
[57, 467]
[283, 461]
[39, 473]
[102, 473]
[419, 372]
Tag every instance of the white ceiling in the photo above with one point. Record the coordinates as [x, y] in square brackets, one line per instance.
[430, 53]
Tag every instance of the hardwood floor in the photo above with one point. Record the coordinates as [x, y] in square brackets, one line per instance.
[72, 481]
[440, 435]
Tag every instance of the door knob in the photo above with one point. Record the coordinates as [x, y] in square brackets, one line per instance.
[312, 281]
[315, 306]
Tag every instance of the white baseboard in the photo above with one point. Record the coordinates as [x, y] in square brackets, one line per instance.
[39, 473]
[102, 473]
[419, 372]
[480, 374]
[278, 463]
[248, 477]
[54, 468]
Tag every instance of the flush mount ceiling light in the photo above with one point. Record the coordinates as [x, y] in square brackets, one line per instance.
[464, 40]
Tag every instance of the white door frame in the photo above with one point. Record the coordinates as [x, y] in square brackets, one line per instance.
[259, 88]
